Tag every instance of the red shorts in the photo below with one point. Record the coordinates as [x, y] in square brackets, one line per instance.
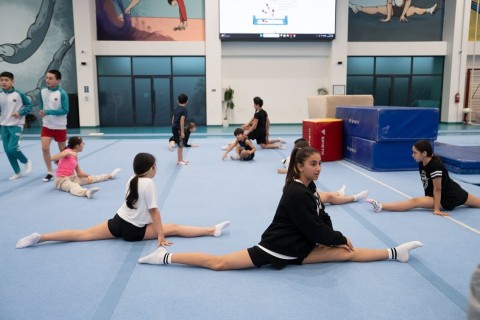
[59, 135]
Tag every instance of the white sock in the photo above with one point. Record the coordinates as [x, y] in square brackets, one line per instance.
[115, 172]
[432, 8]
[401, 252]
[353, 6]
[28, 241]
[341, 191]
[361, 195]
[235, 157]
[219, 228]
[159, 256]
[90, 192]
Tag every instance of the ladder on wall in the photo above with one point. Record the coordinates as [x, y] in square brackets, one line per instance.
[472, 101]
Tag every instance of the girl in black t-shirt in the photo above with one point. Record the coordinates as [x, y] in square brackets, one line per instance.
[301, 231]
[441, 192]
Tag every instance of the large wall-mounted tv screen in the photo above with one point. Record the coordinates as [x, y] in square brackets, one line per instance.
[277, 20]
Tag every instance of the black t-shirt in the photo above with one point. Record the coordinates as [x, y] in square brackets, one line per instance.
[452, 194]
[300, 223]
[261, 115]
[177, 114]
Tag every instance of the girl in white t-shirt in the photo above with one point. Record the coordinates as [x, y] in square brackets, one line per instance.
[137, 219]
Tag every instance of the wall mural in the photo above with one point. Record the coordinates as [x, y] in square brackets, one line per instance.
[40, 38]
[151, 20]
[395, 20]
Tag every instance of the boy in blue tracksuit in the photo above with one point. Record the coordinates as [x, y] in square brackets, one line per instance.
[14, 106]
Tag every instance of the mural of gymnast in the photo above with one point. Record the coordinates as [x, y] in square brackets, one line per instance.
[181, 8]
[394, 8]
[17, 53]
[22, 52]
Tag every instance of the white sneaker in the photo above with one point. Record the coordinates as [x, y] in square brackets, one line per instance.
[15, 176]
[28, 167]
[235, 157]
[377, 206]
[90, 192]
[182, 163]
[115, 172]
[282, 147]
[224, 147]
[48, 177]
[281, 140]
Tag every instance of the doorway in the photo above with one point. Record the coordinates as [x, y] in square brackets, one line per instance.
[392, 90]
[152, 101]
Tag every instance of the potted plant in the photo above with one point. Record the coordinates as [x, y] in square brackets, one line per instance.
[229, 104]
[322, 91]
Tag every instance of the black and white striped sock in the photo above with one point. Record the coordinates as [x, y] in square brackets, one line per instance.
[402, 252]
[159, 256]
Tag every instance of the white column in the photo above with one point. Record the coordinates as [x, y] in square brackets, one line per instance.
[213, 58]
[85, 37]
[456, 23]
[339, 49]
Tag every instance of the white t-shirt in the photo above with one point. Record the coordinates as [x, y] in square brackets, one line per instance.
[147, 199]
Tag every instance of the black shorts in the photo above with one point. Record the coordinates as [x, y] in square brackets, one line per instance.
[261, 258]
[176, 137]
[260, 136]
[397, 11]
[249, 157]
[449, 203]
[120, 228]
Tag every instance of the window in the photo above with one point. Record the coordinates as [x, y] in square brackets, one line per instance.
[397, 81]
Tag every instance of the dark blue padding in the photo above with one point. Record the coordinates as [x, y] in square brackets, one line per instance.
[389, 123]
[459, 159]
[380, 155]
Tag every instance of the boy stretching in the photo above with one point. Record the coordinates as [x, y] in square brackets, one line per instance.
[244, 147]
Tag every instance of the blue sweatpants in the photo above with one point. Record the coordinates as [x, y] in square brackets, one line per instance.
[10, 137]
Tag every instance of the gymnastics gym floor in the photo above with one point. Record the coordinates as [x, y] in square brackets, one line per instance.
[102, 280]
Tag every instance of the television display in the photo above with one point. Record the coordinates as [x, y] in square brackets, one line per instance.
[277, 20]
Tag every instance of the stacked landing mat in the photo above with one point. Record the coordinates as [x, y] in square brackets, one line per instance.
[381, 138]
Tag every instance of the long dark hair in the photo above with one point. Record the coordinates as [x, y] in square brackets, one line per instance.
[426, 146]
[141, 164]
[298, 156]
[74, 141]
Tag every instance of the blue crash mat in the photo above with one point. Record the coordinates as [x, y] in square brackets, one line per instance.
[459, 159]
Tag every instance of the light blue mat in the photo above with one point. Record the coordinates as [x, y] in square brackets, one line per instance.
[101, 279]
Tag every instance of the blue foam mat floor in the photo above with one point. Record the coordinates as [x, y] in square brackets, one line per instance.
[101, 279]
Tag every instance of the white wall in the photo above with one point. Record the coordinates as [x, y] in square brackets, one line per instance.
[283, 74]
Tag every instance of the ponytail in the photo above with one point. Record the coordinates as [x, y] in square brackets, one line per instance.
[132, 194]
[292, 170]
[142, 163]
